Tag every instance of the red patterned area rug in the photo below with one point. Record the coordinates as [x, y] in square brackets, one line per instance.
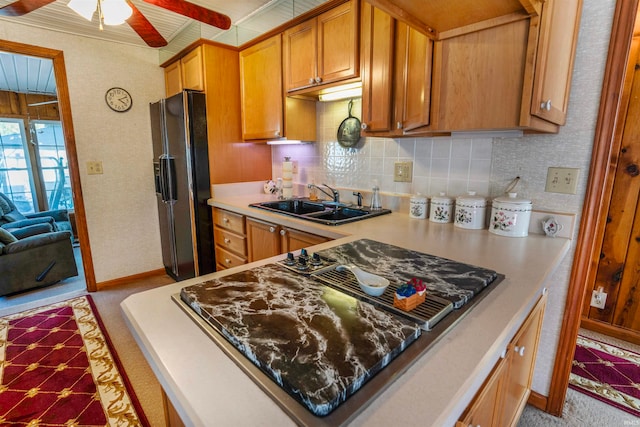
[58, 368]
[607, 373]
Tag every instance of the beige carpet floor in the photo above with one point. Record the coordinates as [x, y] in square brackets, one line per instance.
[144, 382]
[581, 410]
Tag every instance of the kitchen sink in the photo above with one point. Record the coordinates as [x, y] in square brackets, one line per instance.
[329, 213]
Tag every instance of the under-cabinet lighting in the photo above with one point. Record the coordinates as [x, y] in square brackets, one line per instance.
[352, 90]
[287, 142]
[488, 134]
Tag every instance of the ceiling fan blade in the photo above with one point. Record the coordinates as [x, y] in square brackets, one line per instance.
[144, 28]
[22, 7]
[194, 11]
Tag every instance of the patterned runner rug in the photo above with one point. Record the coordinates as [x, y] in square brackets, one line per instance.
[58, 368]
[607, 373]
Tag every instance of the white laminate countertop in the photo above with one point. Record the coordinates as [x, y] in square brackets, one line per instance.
[207, 388]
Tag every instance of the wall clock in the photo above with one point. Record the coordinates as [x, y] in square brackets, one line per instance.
[118, 99]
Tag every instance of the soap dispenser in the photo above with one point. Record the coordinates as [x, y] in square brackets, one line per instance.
[376, 204]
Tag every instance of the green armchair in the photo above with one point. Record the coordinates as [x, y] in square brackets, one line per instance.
[11, 219]
[35, 261]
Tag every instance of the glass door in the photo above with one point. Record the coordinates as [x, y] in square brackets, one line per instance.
[53, 165]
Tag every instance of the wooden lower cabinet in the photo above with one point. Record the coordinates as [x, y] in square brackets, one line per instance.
[170, 414]
[229, 239]
[503, 396]
[266, 239]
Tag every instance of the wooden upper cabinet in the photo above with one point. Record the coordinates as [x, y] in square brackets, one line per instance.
[413, 69]
[377, 49]
[173, 78]
[185, 73]
[322, 50]
[192, 70]
[396, 75]
[261, 90]
[557, 40]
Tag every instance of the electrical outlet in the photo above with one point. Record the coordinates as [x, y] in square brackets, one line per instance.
[598, 298]
[562, 180]
[94, 168]
[402, 171]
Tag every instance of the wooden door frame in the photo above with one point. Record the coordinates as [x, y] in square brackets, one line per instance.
[64, 105]
[597, 197]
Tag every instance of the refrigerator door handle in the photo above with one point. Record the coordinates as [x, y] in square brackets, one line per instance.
[168, 183]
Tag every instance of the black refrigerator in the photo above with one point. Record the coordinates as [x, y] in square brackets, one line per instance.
[181, 170]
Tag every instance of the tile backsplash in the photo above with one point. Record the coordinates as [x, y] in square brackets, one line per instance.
[441, 164]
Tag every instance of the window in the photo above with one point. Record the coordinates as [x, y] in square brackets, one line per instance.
[36, 175]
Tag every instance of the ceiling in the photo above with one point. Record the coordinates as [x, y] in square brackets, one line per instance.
[249, 19]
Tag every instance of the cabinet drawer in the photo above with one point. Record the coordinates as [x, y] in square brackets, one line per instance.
[226, 259]
[229, 220]
[230, 241]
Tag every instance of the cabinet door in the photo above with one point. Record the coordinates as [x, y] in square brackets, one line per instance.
[300, 60]
[173, 78]
[338, 43]
[554, 60]
[414, 58]
[292, 240]
[261, 90]
[522, 355]
[485, 408]
[263, 239]
[377, 46]
[192, 70]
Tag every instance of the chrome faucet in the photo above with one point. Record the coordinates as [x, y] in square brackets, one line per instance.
[335, 195]
[359, 196]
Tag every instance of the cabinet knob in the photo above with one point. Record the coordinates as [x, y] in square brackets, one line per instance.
[520, 350]
[282, 232]
[272, 229]
[364, 126]
[546, 105]
[399, 125]
[227, 240]
[227, 261]
[225, 220]
[277, 133]
[318, 79]
[311, 80]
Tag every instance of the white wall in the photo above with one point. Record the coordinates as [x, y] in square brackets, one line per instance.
[122, 217]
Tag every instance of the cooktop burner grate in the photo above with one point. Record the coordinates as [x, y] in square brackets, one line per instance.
[426, 314]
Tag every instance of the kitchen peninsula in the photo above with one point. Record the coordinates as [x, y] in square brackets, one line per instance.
[206, 387]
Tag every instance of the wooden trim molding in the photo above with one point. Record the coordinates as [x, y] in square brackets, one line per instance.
[537, 400]
[596, 198]
[124, 280]
[64, 104]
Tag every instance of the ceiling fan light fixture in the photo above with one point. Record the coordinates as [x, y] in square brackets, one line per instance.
[84, 8]
[115, 12]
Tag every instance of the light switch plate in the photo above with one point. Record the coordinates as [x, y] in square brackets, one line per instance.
[562, 180]
[403, 171]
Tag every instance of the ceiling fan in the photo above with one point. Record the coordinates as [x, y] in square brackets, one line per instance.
[137, 20]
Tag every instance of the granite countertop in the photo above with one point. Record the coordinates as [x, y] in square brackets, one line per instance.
[204, 384]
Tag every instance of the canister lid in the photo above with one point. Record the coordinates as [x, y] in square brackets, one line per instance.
[471, 200]
[512, 198]
[442, 199]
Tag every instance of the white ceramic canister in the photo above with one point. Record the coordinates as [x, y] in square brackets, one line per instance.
[510, 216]
[471, 211]
[418, 205]
[441, 209]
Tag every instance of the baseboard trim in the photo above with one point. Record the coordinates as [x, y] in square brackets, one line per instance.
[610, 330]
[537, 400]
[125, 280]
